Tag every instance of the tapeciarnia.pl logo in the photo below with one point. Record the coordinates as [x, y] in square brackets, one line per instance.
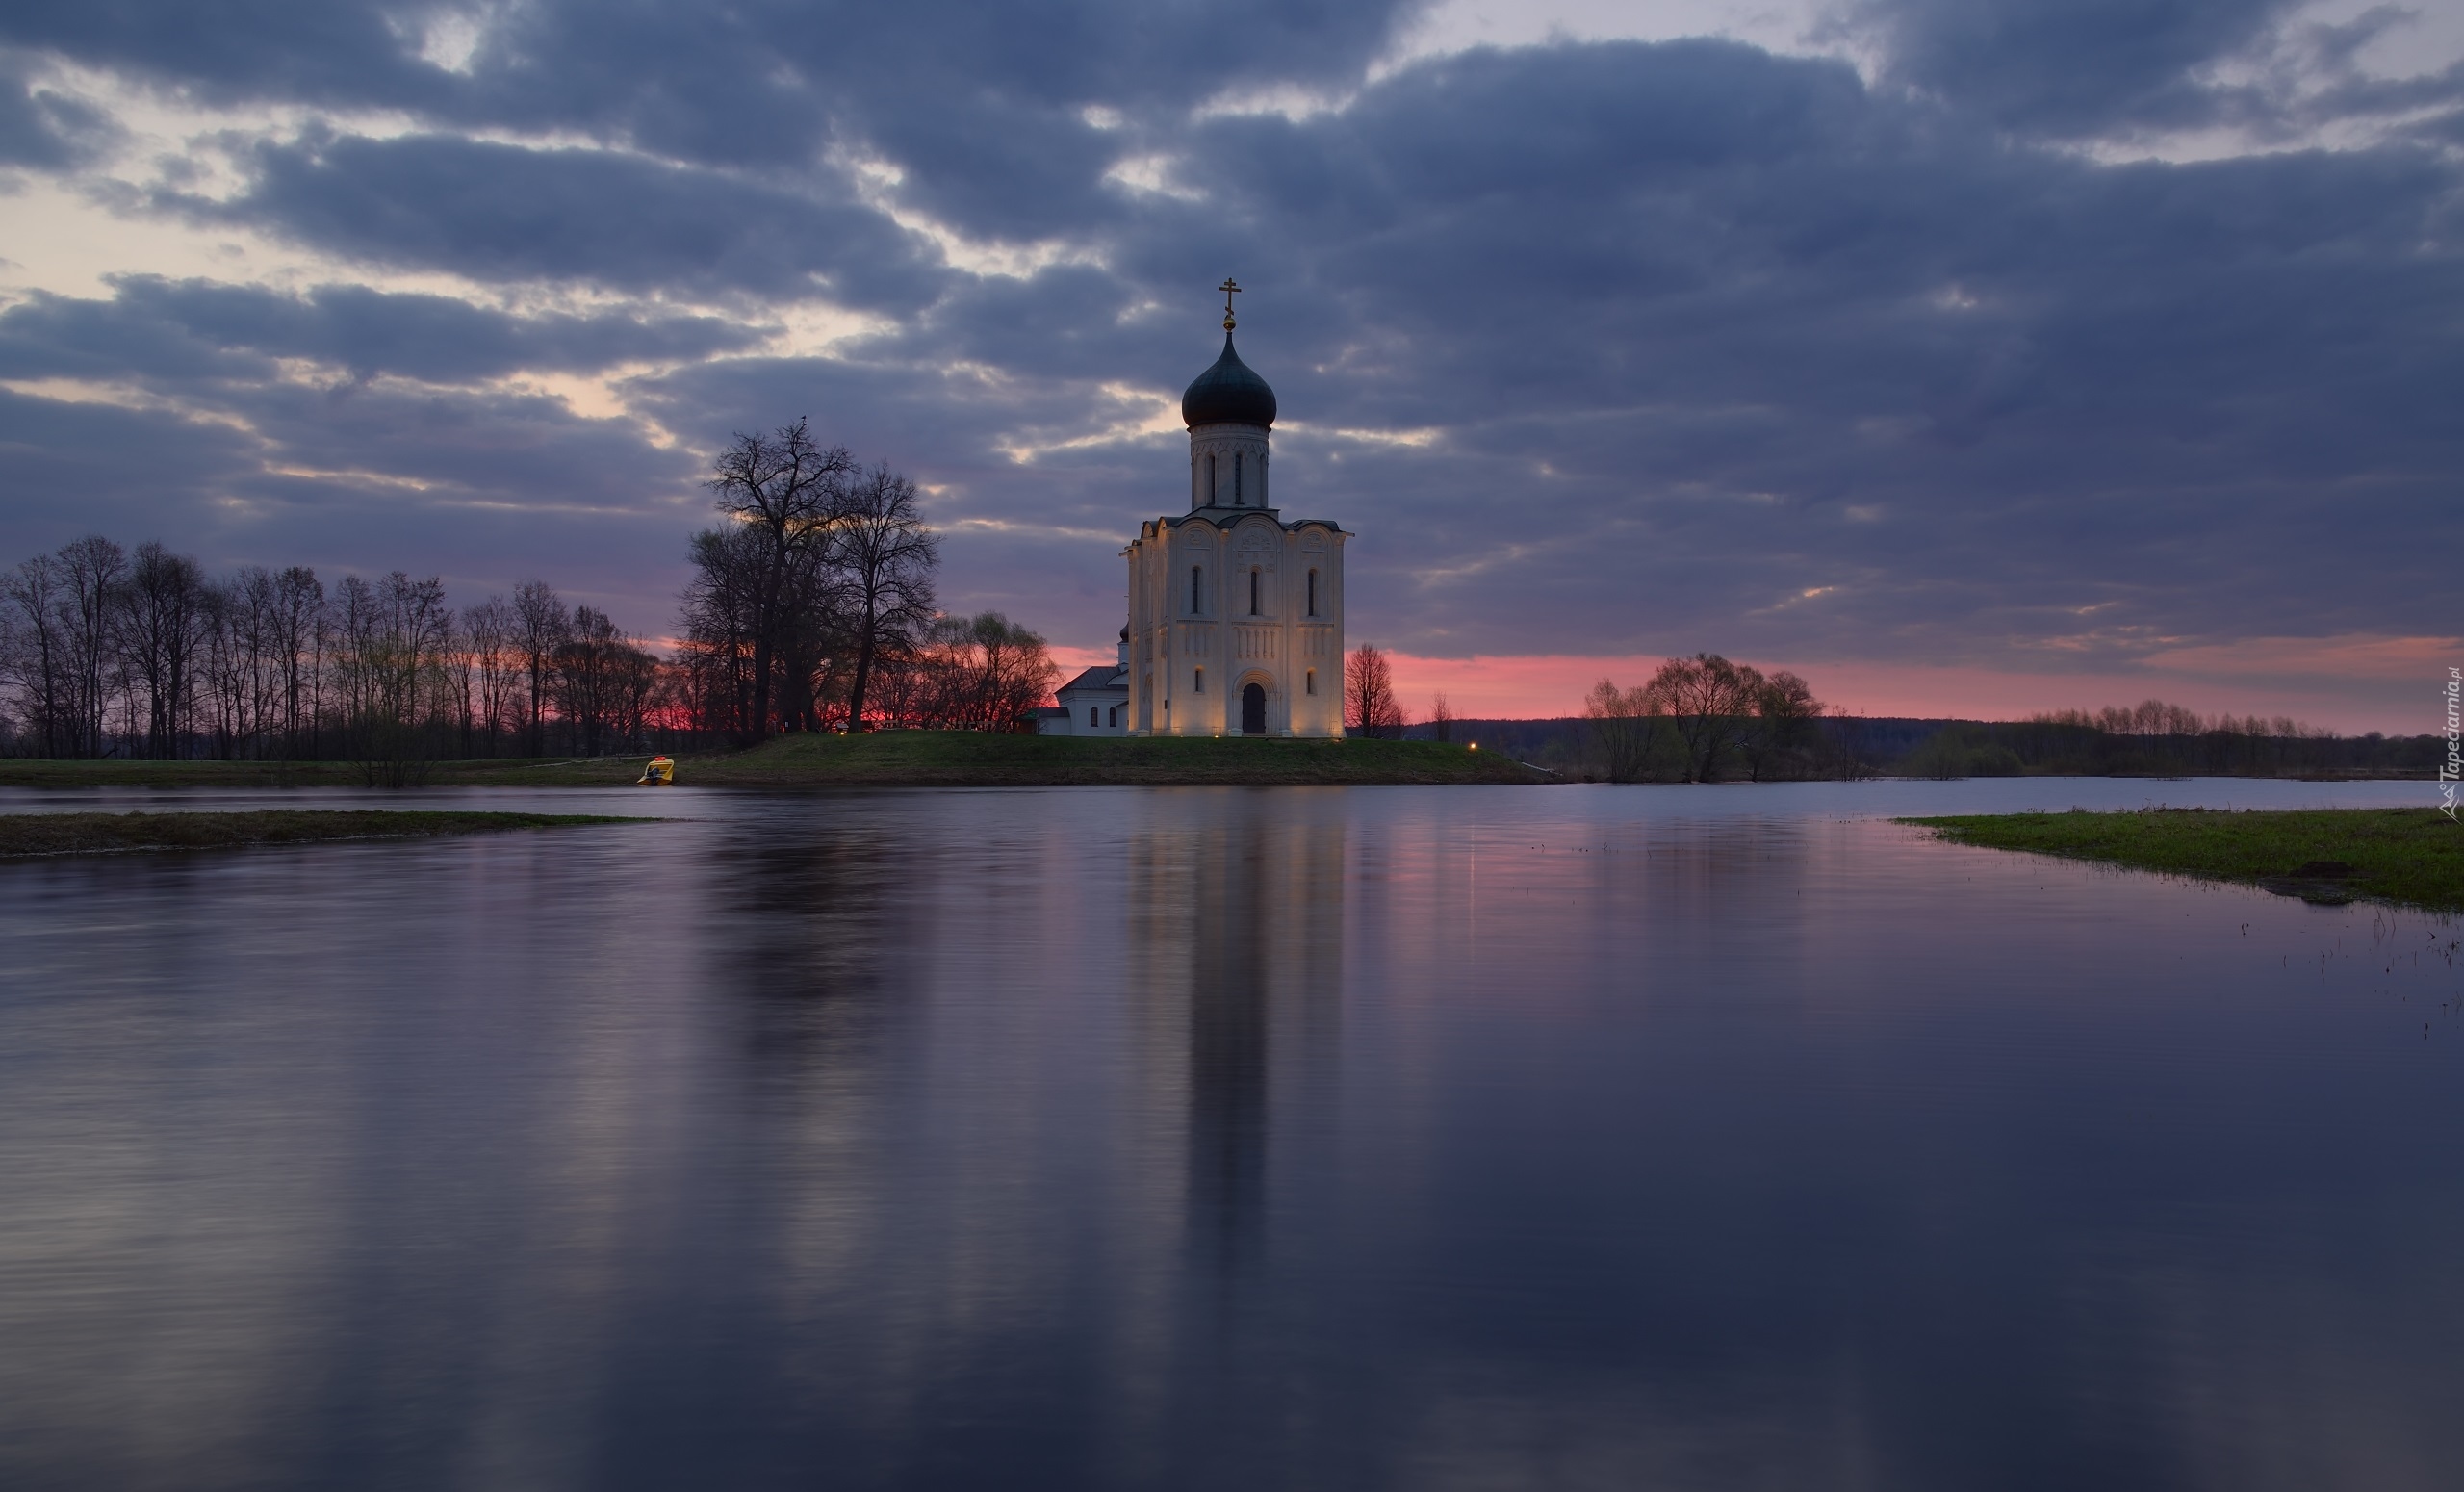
[2453, 766]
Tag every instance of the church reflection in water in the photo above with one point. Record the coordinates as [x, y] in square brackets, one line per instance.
[1235, 947]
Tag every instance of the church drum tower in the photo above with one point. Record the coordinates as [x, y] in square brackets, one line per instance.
[1236, 617]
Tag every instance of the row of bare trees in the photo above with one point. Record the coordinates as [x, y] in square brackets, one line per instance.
[106, 652]
[1699, 719]
[2158, 718]
[979, 673]
[810, 606]
[2158, 739]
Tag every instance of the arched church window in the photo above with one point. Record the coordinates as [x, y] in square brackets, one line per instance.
[1210, 479]
[1198, 680]
[1196, 595]
[1090, 714]
[1313, 593]
[1236, 480]
[1311, 682]
[1112, 715]
[1253, 590]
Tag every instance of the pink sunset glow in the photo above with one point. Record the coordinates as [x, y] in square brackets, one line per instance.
[2349, 685]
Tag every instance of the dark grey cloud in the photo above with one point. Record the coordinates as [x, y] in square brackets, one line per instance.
[2065, 70]
[2064, 66]
[42, 127]
[497, 212]
[1670, 345]
[157, 331]
[484, 490]
[236, 50]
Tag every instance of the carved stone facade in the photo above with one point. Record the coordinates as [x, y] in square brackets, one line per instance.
[1222, 602]
[1236, 617]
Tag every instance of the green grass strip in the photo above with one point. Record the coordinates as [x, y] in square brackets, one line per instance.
[2411, 855]
[885, 759]
[965, 758]
[23, 835]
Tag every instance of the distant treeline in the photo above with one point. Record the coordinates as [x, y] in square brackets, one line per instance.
[106, 652]
[2073, 744]
[109, 652]
[810, 608]
[1639, 736]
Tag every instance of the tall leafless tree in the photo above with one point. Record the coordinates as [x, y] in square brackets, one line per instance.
[299, 635]
[1625, 726]
[542, 625]
[1369, 706]
[717, 620]
[92, 570]
[788, 487]
[884, 557]
[36, 653]
[162, 622]
[491, 638]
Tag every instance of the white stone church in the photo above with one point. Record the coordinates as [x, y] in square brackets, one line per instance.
[1236, 617]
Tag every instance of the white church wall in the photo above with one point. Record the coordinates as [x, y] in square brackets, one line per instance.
[1229, 596]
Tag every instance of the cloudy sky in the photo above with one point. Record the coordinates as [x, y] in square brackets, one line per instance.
[1966, 355]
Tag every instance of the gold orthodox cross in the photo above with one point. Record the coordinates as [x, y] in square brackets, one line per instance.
[1230, 289]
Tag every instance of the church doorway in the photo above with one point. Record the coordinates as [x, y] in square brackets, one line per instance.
[1253, 710]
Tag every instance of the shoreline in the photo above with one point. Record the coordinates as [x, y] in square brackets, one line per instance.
[31, 837]
[896, 758]
[2329, 857]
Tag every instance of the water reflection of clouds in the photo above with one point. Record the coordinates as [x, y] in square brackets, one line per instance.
[1149, 1138]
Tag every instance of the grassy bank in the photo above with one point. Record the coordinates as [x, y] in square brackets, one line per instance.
[23, 835]
[2414, 856]
[21, 772]
[963, 758]
[891, 759]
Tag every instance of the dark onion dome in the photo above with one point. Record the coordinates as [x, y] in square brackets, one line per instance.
[1228, 393]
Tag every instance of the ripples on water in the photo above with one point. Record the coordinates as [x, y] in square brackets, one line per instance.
[1191, 1139]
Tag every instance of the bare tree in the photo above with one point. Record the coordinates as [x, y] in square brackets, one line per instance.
[38, 656]
[393, 636]
[542, 626]
[883, 557]
[225, 673]
[979, 673]
[1624, 728]
[492, 640]
[1441, 718]
[162, 620]
[256, 595]
[1781, 735]
[1369, 706]
[1709, 701]
[92, 570]
[605, 683]
[300, 637]
[718, 617]
[239, 672]
[789, 488]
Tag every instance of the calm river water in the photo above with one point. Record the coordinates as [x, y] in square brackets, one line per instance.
[1459, 1138]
